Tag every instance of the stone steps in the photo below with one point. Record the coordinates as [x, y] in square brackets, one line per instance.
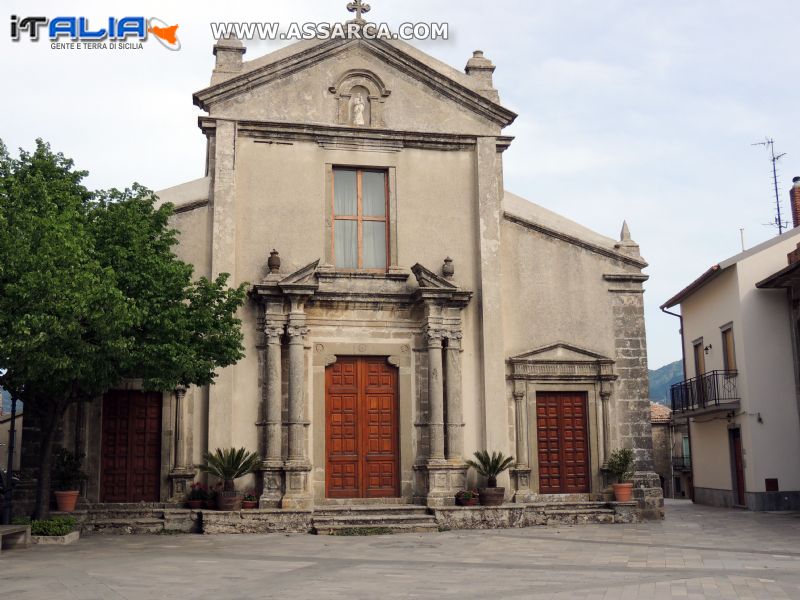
[351, 502]
[366, 519]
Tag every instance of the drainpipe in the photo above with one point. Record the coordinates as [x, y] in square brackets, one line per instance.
[688, 426]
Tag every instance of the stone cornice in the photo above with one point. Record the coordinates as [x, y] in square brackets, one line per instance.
[332, 136]
[570, 239]
[387, 53]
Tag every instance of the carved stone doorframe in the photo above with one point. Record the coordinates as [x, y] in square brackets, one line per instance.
[565, 368]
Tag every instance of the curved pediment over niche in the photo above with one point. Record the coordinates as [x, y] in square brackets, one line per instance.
[360, 97]
[563, 362]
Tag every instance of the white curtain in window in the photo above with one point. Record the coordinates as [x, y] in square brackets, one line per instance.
[345, 239]
[373, 191]
[344, 192]
[374, 245]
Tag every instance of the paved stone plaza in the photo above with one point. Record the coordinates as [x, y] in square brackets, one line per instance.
[697, 552]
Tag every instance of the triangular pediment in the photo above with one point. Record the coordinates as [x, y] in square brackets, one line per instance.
[303, 277]
[561, 352]
[427, 279]
[283, 76]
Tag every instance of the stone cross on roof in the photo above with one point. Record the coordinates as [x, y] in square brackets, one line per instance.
[359, 8]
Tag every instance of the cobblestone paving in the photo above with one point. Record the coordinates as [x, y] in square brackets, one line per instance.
[697, 552]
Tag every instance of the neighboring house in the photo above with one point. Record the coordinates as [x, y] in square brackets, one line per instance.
[671, 452]
[413, 312]
[739, 330]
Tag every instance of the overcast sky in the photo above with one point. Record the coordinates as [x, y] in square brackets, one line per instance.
[628, 109]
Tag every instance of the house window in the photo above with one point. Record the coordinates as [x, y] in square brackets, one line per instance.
[360, 237]
[728, 351]
[699, 357]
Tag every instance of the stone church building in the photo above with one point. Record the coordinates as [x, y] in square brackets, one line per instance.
[405, 310]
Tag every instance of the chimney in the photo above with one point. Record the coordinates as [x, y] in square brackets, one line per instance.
[229, 53]
[794, 194]
[481, 68]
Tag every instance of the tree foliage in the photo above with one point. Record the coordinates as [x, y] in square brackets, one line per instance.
[91, 293]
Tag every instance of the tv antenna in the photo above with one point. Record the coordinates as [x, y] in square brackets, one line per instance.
[769, 143]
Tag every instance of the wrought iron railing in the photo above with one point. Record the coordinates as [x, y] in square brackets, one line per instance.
[682, 463]
[710, 389]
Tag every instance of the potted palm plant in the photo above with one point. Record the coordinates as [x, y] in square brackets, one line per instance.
[490, 467]
[620, 464]
[228, 465]
[67, 476]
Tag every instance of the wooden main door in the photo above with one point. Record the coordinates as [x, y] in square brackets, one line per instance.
[563, 442]
[362, 437]
[131, 447]
[738, 466]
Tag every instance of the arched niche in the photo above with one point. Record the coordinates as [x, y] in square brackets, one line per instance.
[360, 96]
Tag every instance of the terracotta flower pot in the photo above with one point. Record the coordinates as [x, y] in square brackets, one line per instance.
[491, 496]
[229, 501]
[623, 491]
[249, 504]
[194, 504]
[66, 501]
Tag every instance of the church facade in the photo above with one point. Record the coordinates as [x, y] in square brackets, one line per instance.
[405, 310]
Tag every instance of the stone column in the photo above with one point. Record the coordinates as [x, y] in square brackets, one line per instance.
[182, 474]
[455, 417]
[603, 428]
[297, 466]
[272, 467]
[522, 470]
[435, 395]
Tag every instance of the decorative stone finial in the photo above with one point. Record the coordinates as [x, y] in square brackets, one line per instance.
[359, 8]
[448, 270]
[626, 245]
[229, 52]
[481, 68]
[274, 262]
[625, 234]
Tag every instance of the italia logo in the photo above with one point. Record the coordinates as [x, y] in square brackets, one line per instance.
[128, 30]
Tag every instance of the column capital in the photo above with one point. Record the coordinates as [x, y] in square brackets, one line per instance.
[434, 336]
[296, 331]
[518, 396]
[273, 332]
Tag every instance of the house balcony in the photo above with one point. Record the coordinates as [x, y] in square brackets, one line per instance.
[711, 392]
[682, 463]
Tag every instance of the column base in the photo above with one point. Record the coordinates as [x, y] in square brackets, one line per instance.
[297, 496]
[521, 479]
[272, 477]
[648, 494]
[180, 480]
[441, 481]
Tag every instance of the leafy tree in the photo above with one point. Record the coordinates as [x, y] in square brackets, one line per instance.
[91, 293]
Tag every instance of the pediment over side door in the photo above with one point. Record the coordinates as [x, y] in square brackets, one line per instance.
[561, 362]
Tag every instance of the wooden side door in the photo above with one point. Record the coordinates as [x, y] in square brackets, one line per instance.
[563, 443]
[131, 447]
[362, 429]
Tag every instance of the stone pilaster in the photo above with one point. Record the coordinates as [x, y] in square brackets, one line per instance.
[521, 471]
[453, 399]
[632, 406]
[297, 467]
[221, 410]
[272, 467]
[492, 347]
[182, 474]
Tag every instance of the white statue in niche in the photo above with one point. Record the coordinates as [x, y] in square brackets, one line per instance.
[358, 110]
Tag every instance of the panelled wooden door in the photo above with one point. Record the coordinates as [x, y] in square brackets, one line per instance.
[738, 465]
[563, 442]
[362, 429]
[131, 447]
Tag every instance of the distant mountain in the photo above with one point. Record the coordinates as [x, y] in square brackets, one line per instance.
[661, 380]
